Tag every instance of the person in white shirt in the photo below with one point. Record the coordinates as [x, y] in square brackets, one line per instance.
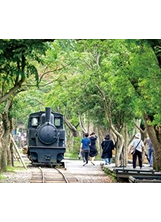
[138, 146]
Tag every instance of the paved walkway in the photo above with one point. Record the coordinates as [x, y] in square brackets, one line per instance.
[96, 174]
[76, 166]
[88, 173]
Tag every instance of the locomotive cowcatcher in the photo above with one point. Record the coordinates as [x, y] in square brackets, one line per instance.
[46, 138]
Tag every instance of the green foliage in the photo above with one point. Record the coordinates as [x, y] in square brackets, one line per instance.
[111, 174]
[17, 62]
[125, 71]
[120, 68]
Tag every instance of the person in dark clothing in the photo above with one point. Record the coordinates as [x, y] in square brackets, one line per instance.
[85, 149]
[107, 147]
[93, 150]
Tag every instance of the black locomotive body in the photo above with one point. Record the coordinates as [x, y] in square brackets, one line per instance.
[46, 138]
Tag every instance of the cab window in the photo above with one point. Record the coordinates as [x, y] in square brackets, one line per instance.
[57, 122]
[34, 121]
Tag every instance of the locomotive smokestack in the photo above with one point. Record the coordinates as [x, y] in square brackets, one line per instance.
[48, 114]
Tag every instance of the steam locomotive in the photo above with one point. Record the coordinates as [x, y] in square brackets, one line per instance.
[46, 138]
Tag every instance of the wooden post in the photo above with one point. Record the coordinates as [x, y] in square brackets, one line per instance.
[16, 148]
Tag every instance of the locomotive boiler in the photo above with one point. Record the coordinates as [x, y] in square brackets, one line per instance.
[46, 138]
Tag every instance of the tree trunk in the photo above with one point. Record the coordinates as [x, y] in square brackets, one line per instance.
[155, 136]
[5, 145]
[5, 148]
[1, 136]
[125, 149]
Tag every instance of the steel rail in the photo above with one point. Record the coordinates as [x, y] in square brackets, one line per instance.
[66, 180]
[43, 177]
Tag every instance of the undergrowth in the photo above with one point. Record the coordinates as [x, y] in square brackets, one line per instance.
[111, 174]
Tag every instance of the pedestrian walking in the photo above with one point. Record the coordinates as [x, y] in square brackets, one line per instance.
[150, 151]
[136, 148]
[107, 147]
[93, 149]
[85, 149]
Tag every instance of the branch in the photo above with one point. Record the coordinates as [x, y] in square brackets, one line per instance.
[81, 124]
[143, 131]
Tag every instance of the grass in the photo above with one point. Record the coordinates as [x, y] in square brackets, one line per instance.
[12, 169]
[111, 174]
[2, 177]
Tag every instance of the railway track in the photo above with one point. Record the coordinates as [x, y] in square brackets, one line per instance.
[52, 175]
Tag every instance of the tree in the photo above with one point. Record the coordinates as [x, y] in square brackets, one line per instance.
[114, 74]
[18, 58]
[109, 83]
